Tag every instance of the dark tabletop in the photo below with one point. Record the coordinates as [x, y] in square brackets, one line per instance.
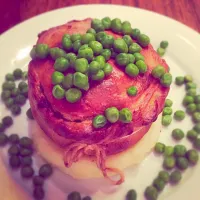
[15, 11]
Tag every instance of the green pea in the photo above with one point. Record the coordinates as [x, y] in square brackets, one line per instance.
[98, 76]
[56, 53]
[33, 53]
[191, 92]
[67, 81]
[5, 95]
[26, 161]
[166, 120]
[169, 162]
[158, 71]
[179, 80]
[61, 64]
[166, 80]
[164, 44]
[27, 172]
[138, 57]
[164, 175]
[57, 77]
[126, 28]
[107, 41]
[125, 115]
[13, 150]
[131, 58]
[159, 147]
[91, 30]
[106, 53]
[3, 139]
[96, 47]
[75, 37]
[26, 142]
[66, 43]
[94, 67]
[76, 46]
[197, 127]
[24, 92]
[20, 99]
[25, 152]
[116, 25]
[135, 33]
[86, 52]
[7, 121]
[10, 77]
[188, 100]
[25, 75]
[160, 51]
[192, 156]
[38, 193]
[134, 48]
[97, 25]
[101, 60]
[182, 163]
[22, 85]
[191, 108]
[151, 193]
[179, 150]
[120, 46]
[188, 78]
[81, 65]
[13, 139]
[159, 184]
[15, 109]
[131, 195]
[122, 59]
[71, 57]
[80, 80]
[73, 95]
[87, 38]
[45, 170]
[107, 69]
[15, 92]
[8, 85]
[99, 121]
[106, 21]
[38, 181]
[127, 39]
[175, 177]
[169, 151]
[141, 66]
[197, 99]
[29, 114]
[100, 36]
[58, 92]
[196, 117]
[74, 196]
[14, 162]
[132, 70]
[197, 143]
[132, 91]
[167, 111]
[178, 134]
[112, 114]
[42, 51]
[2, 127]
[143, 40]
[190, 85]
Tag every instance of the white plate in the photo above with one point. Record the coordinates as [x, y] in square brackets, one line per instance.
[182, 57]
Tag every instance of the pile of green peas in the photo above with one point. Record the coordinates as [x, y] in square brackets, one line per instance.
[15, 96]
[86, 56]
[112, 115]
[159, 73]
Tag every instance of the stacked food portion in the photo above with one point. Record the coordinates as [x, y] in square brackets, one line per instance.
[95, 88]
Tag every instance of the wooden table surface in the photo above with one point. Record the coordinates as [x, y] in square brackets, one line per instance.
[14, 12]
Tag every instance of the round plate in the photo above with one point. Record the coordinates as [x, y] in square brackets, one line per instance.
[182, 56]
